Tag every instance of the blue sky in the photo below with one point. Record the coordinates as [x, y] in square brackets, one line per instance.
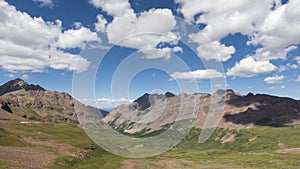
[249, 46]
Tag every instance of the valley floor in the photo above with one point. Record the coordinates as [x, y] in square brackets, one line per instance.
[57, 145]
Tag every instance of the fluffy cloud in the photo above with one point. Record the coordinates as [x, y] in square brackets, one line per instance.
[144, 32]
[77, 38]
[249, 66]
[48, 3]
[274, 79]
[278, 53]
[30, 44]
[264, 22]
[216, 51]
[221, 19]
[224, 17]
[162, 52]
[114, 7]
[198, 75]
[278, 31]
[100, 25]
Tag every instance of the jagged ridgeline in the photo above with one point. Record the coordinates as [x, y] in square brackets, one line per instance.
[152, 112]
[238, 111]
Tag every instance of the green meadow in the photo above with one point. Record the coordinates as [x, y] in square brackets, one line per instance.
[245, 148]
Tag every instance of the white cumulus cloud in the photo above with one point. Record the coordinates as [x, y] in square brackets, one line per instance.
[222, 18]
[249, 67]
[274, 79]
[77, 38]
[100, 25]
[279, 31]
[114, 7]
[30, 43]
[215, 51]
[271, 26]
[198, 75]
[145, 32]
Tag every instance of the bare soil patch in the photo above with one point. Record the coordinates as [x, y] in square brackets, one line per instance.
[63, 149]
[229, 137]
[289, 151]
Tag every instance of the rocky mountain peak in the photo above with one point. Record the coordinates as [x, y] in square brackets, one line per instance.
[18, 84]
[145, 101]
[169, 94]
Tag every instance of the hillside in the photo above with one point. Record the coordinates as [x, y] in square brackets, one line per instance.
[32, 102]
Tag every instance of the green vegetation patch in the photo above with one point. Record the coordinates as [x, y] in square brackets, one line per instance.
[9, 139]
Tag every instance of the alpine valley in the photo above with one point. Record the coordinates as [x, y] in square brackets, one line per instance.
[41, 129]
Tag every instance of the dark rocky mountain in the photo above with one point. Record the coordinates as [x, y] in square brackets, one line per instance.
[18, 84]
[145, 101]
[231, 110]
[169, 94]
[263, 109]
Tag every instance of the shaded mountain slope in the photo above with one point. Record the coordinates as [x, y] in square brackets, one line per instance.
[264, 110]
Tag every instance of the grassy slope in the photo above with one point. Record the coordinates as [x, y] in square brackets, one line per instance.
[62, 133]
[240, 153]
[258, 153]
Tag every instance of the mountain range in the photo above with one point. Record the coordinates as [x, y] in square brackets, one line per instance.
[43, 129]
[152, 112]
[223, 109]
